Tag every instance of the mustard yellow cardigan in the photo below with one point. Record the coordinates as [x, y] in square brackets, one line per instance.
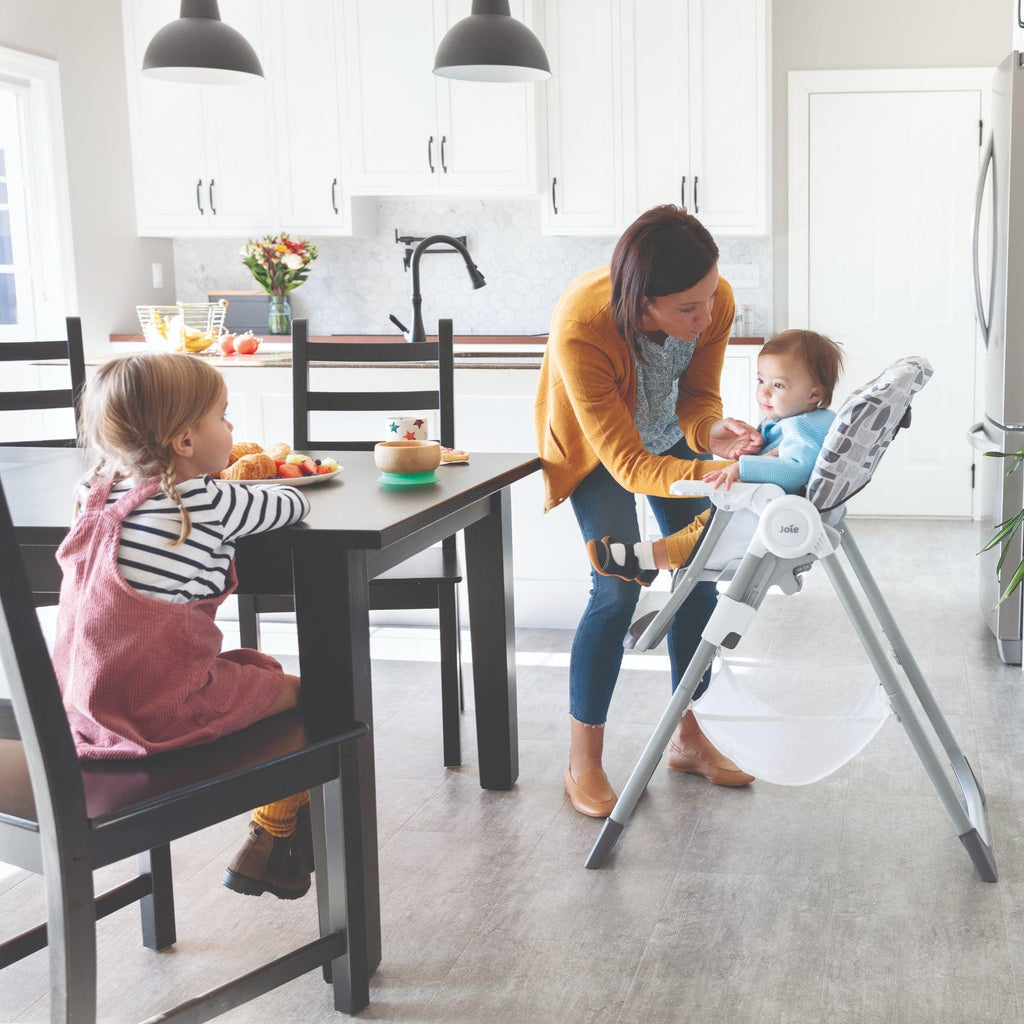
[587, 392]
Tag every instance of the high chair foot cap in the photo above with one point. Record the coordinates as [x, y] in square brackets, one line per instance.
[605, 844]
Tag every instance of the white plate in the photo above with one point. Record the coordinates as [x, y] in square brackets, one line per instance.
[297, 481]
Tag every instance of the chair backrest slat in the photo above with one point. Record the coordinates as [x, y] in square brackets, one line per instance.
[308, 356]
[35, 351]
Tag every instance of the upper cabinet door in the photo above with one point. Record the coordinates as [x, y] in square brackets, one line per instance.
[307, 58]
[240, 142]
[583, 191]
[168, 143]
[392, 104]
[729, 123]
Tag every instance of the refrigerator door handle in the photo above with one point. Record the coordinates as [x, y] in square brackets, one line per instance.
[978, 440]
[986, 165]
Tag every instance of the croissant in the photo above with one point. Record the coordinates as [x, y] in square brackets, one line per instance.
[254, 466]
[240, 448]
[279, 452]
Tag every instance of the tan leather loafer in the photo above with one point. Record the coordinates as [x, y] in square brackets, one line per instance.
[707, 762]
[591, 794]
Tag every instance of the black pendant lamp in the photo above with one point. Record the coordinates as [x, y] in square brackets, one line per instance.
[491, 46]
[200, 49]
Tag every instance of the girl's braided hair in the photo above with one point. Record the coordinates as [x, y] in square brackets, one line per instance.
[136, 405]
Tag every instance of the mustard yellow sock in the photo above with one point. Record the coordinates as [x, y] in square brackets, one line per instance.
[279, 817]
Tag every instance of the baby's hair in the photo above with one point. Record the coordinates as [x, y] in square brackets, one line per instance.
[820, 354]
[136, 405]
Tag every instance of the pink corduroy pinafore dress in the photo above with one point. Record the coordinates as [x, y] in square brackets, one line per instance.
[138, 675]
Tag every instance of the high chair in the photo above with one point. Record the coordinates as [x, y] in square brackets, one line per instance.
[758, 537]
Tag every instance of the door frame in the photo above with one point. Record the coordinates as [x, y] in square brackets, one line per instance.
[802, 86]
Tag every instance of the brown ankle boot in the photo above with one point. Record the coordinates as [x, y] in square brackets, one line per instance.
[263, 864]
[302, 842]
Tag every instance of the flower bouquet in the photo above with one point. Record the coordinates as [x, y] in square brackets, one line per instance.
[279, 265]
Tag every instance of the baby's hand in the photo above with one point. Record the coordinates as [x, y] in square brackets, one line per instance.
[724, 477]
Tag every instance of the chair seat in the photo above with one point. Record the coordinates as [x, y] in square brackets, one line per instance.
[134, 795]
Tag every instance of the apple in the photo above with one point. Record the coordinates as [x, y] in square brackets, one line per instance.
[227, 344]
[246, 345]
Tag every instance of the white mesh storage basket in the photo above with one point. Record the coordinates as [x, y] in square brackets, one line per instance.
[184, 327]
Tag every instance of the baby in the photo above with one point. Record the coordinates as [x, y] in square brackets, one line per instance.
[797, 372]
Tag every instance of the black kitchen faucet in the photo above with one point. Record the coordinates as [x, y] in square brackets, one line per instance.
[418, 333]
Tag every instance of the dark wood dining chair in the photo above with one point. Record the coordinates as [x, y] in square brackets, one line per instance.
[64, 818]
[429, 579]
[60, 398]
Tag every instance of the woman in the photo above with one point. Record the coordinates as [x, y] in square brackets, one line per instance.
[628, 400]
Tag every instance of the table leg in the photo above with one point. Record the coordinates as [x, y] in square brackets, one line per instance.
[333, 621]
[492, 636]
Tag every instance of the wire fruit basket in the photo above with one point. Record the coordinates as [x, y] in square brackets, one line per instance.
[183, 327]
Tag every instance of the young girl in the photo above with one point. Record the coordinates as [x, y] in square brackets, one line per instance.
[147, 563]
[796, 374]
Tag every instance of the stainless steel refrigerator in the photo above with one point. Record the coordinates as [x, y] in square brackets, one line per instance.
[999, 292]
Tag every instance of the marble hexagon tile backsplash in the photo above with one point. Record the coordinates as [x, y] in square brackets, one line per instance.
[357, 282]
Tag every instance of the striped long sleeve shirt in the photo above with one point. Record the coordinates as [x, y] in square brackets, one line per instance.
[221, 512]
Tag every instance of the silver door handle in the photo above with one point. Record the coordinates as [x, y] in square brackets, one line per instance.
[988, 161]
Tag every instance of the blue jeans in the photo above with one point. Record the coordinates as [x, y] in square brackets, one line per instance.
[605, 508]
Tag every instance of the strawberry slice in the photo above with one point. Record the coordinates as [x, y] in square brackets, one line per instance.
[308, 467]
[321, 470]
[289, 471]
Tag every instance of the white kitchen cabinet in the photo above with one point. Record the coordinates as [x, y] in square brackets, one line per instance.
[412, 133]
[696, 110]
[656, 101]
[583, 118]
[203, 155]
[306, 77]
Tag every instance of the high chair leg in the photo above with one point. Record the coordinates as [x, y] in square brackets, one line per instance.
[634, 788]
[973, 833]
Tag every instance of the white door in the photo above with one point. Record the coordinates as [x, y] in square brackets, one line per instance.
[883, 168]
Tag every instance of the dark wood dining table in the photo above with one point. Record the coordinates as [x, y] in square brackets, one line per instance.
[358, 528]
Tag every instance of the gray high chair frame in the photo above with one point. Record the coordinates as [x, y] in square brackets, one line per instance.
[826, 532]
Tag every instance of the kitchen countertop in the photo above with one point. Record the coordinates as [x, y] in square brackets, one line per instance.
[477, 351]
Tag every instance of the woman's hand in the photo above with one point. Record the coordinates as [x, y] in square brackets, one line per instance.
[729, 439]
[724, 477]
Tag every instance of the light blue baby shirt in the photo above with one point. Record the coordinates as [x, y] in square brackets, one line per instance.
[798, 439]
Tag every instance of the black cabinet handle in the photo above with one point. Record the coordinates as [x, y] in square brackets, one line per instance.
[554, 203]
[444, 166]
[334, 194]
[430, 153]
[199, 195]
[213, 209]
[682, 193]
[696, 204]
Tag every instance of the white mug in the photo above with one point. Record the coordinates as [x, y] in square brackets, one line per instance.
[406, 428]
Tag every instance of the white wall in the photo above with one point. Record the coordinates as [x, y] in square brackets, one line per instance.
[112, 265]
[837, 34]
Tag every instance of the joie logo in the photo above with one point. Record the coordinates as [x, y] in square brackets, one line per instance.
[789, 528]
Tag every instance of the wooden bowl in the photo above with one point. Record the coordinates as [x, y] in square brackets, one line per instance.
[407, 456]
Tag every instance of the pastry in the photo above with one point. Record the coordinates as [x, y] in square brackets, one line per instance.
[454, 455]
[279, 452]
[240, 448]
[254, 466]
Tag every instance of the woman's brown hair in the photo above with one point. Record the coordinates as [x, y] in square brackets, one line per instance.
[820, 354]
[136, 405]
[664, 251]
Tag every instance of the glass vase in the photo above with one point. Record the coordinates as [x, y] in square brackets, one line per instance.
[279, 315]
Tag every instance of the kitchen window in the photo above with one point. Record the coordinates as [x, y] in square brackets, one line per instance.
[36, 279]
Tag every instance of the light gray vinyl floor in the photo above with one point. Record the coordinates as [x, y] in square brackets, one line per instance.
[850, 901]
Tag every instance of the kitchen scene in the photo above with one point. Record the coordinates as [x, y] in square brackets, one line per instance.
[470, 284]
